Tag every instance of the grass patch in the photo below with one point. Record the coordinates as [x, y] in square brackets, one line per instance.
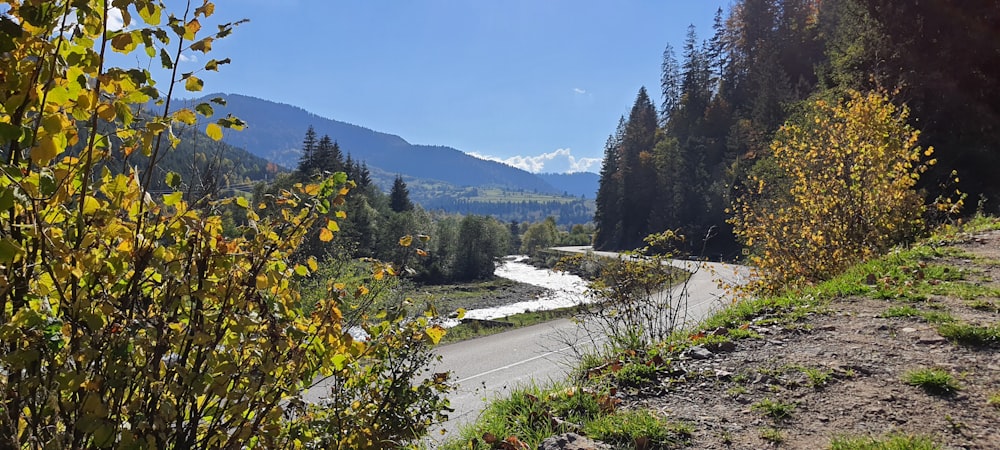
[994, 400]
[937, 317]
[526, 413]
[817, 377]
[986, 305]
[635, 375]
[901, 311]
[640, 428]
[894, 442]
[472, 330]
[771, 434]
[776, 410]
[970, 335]
[933, 381]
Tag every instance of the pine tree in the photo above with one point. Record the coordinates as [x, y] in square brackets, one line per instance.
[399, 196]
[670, 84]
[327, 156]
[307, 159]
[608, 214]
[638, 170]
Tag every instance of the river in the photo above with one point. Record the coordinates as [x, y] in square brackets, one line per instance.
[565, 289]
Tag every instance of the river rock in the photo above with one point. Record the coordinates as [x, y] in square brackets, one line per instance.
[572, 441]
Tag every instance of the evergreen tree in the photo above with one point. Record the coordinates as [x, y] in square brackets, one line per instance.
[307, 159]
[608, 213]
[670, 83]
[638, 170]
[399, 196]
[327, 156]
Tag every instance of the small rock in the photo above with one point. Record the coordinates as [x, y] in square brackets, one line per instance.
[699, 352]
[908, 330]
[932, 340]
[727, 346]
[827, 328]
[571, 441]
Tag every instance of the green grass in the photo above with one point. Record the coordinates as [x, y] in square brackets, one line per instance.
[630, 427]
[893, 442]
[901, 311]
[937, 317]
[526, 413]
[772, 435]
[994, 400]
[817, 377]
[983, 304]
[776, 410]
[971, 335]
[635, 374]
[933, 381]
[473, 330]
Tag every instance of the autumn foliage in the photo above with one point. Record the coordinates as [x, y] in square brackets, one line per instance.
[133, 319]
[838, 188]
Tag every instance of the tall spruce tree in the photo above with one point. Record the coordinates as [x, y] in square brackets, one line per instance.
[670, 84]
[307, 158]
[608, 213]
[399, 196]
[638, 169]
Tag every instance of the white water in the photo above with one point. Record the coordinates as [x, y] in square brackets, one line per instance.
[565, 290]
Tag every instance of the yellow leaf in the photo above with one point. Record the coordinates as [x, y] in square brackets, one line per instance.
[191, 29]
[311, 262]
[435, 333]
[421, 252]
[185, 116]
[214, 131]
[405, 241]
[325, 235]
[261, 281]
[90, 205]
[46, 149]
[193, 84]
[311, 189]
[341, 215]
[106, 112]
[332, 225]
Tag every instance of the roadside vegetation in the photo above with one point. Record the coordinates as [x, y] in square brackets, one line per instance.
[748, 372]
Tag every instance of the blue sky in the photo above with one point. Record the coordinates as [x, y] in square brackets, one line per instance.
[537, 83]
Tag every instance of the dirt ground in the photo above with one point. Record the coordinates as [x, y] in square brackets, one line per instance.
[865, 357]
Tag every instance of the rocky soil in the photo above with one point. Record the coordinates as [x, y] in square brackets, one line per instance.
[840, 372]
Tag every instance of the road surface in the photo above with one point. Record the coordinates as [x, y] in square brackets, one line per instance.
[491, 366]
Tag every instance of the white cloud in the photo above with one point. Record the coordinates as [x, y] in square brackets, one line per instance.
[186, 58]
[580, 91]
[558, 161]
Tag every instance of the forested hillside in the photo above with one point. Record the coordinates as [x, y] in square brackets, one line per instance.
[276, 129]
[679, 163]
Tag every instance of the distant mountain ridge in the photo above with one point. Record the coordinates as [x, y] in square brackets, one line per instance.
[276, 130]
[576, 184]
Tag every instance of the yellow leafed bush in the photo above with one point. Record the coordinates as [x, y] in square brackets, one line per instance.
[838, 188]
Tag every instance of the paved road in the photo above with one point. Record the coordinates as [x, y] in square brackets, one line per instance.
[491, 366]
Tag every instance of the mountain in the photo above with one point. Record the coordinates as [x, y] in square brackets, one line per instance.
[276, 130]
[576, 184]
